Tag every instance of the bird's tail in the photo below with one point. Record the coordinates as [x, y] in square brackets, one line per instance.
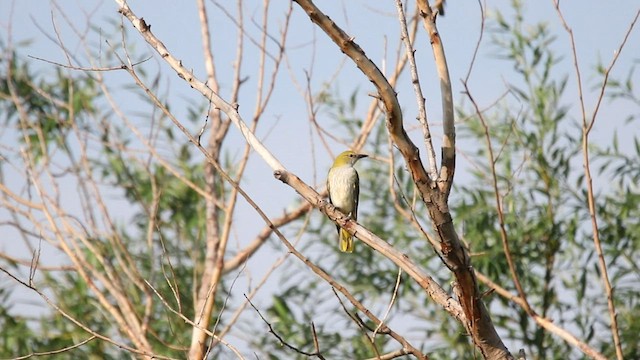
[346, 241]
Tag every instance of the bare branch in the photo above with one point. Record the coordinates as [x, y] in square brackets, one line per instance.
[420, 100]
[190, 322]
[280, 339]
[184, 73]
[587, 126]
[391, 302]
[447, 168]
[78, 323]
[391, 355]
[53, 352]
[498, 204]
[543, 322]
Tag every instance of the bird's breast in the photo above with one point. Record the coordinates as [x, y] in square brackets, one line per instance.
[342, 183]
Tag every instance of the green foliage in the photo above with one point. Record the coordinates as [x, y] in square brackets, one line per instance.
[44, 109]
[17, 336]
[538, 164]
[53, 108]
[618, 211]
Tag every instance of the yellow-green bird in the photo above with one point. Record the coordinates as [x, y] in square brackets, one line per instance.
[343, 185]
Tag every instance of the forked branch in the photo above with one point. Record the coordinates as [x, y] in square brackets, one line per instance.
[434, 193]
[425, 281]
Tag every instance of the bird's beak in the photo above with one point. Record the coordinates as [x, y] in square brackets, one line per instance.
[360, 156]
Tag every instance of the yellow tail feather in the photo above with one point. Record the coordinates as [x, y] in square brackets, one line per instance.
[346, 241]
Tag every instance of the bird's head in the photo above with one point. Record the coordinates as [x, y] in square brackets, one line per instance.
[347, 158]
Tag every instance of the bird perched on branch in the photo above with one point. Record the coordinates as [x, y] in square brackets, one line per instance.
[343, 185]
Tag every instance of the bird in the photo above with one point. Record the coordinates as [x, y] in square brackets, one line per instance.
[343, 185]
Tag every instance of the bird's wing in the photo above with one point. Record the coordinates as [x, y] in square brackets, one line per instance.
[329, 192]
[356, 193]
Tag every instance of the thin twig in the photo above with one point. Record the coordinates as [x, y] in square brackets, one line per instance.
[280, 339]
[417, 89]
[477, 47]
[190, 322]
[316, 343]
[544, 323]
[448, 161]
[498, 203]
[587, 126]
[89, 69]
[58, 351]
[392, 355]
[360, 323]
[393, 299]
[79, 323]
[265, 277]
